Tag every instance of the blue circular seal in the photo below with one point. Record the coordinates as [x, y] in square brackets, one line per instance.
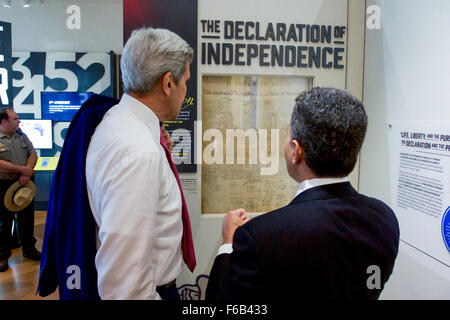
[445, 227]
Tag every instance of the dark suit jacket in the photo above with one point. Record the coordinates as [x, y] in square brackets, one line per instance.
[318, 247]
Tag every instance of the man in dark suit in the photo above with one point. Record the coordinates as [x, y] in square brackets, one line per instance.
[330, 242]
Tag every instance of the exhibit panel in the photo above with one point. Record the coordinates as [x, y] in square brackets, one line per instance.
[405, 159]
[253, 62]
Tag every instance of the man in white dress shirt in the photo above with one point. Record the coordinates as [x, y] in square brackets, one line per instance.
[132, 190]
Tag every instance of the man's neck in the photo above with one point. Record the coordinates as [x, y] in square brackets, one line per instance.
[4, 132]
[152, 102]
[317, 177]
[303, 173]
[320, 181]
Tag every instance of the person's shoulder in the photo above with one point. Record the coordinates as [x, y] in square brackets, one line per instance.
[126, 130]
[375, 203]
[279, 220]
[21, 137]
[23, 134]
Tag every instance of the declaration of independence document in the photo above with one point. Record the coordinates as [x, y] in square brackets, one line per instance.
[247, 102]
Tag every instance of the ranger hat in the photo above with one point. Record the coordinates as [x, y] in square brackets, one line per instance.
[19, 196]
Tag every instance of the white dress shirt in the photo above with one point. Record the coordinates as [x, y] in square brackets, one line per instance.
[304, 185]
[136, 203]
[311, 183]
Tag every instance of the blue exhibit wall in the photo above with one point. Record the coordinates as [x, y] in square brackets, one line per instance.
[36, 72]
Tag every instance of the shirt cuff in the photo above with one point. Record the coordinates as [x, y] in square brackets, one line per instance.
[225, 248]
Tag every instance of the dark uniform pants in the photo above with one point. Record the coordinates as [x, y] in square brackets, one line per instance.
[25, 224]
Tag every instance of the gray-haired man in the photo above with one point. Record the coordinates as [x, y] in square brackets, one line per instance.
[133, 190]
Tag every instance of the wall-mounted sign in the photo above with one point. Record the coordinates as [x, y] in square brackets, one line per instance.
[420, 197]
[5, 65]
[252, 43]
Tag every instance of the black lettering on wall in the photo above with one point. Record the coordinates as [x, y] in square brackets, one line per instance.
[252, 52]
[278, 56]
[249, 25]
[326, 64]
[281, 31]
[238, 54]
[263, 54]
[326, 34]
[314, 56]
[270, 34]
[289, 56]
[239, 30]
[227, 54]
[301, 56]
[315, 33]
[214, 53]
[228, 29]
[338, 57]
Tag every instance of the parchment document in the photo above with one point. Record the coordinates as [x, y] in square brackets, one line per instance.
[247, 172]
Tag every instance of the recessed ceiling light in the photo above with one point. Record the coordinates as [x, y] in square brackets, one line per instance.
[26, 3]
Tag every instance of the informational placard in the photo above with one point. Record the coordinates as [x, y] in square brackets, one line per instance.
[245, 121]
[46, 163]
[5, 65]
[420, 185]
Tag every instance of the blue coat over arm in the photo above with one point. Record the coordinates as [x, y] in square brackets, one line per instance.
[69, 246]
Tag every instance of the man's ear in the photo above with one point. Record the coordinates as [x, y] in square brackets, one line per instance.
[298, 153]
[167, 83]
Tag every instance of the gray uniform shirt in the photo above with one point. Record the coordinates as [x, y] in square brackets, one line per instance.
[15, 149]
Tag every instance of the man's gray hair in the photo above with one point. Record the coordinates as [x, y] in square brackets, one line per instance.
[330, 124]
[148, 54]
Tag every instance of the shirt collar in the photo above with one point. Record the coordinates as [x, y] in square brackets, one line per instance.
[311, 183]
[142, 112]
[2, 135]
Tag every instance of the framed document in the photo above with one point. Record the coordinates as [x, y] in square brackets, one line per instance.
[244, 122]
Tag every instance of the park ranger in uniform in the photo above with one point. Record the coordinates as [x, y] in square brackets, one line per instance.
[17, 161]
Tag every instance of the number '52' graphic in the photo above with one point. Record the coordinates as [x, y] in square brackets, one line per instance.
[34, 72]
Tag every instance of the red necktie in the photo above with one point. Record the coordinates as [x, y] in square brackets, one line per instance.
[186, 242]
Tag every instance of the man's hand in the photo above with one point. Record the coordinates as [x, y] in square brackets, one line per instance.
[23, 179]
[233, 220]
[27, 171]
[168, 140]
